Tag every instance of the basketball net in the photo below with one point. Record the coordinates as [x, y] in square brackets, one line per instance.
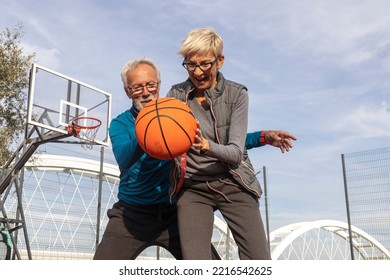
[85, 128]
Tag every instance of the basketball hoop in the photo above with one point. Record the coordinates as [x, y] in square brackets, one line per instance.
[85, 128]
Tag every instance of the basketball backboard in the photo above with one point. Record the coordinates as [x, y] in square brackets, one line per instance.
[54, 100]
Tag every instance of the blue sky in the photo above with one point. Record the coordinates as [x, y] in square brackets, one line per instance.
[318, 69]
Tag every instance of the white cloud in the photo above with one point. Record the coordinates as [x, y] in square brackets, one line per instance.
[42, 30]
[367, 122]
[49, 58]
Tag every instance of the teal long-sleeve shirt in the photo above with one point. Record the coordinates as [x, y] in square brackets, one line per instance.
[143, 180]
[253, 140]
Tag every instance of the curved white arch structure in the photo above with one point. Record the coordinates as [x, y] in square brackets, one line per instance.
[367, 246]
[84, 166]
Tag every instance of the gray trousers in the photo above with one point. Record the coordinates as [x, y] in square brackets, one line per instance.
[131, 229]
[196, 204]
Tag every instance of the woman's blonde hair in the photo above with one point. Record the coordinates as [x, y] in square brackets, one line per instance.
[201, 41]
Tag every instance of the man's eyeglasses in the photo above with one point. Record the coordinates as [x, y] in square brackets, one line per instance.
[204, 66]
[138, 89]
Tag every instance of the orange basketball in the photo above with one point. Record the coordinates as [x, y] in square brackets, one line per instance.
[165, 128]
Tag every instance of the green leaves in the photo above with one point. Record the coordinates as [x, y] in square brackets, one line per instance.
[14, 80]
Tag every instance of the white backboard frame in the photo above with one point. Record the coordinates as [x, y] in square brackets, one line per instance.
[69, 98]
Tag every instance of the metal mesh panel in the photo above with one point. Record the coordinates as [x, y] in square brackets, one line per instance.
[367, 184]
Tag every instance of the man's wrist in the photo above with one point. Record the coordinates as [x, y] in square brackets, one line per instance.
[262, 138]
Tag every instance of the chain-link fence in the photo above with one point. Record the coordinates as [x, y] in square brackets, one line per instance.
[367, 189]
